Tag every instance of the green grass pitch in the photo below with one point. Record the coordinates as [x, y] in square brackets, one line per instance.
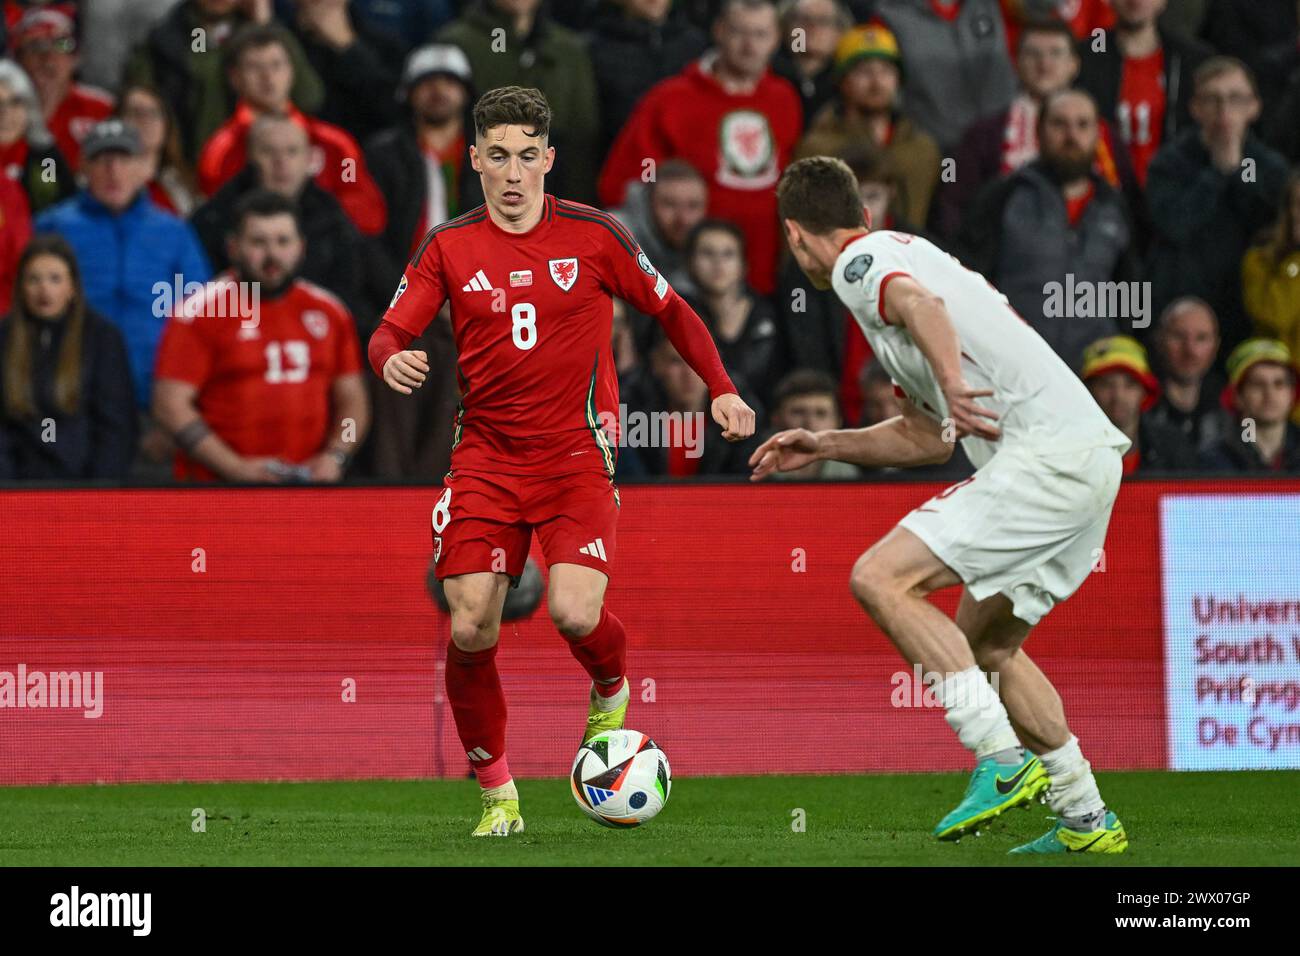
[878, 820]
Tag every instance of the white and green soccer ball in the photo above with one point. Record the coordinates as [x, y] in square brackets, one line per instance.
[621, 778]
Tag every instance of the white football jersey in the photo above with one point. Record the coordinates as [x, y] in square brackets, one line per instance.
[1040, 401]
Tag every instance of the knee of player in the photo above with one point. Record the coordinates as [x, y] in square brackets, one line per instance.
[871, 581]
[574, 618]
[474, 634]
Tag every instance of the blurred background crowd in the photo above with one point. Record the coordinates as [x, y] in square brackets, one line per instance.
[1125, 171]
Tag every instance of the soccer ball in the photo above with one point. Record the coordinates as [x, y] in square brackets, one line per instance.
[620, 778]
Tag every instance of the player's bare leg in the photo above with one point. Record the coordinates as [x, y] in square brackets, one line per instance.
[576, 599]
[1034, 707]
[891, 581]
[996, 637]
[474, 690]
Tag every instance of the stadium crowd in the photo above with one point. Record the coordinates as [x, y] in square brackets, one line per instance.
[1125, 171]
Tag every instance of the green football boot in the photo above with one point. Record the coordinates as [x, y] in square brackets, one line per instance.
[1111, 838]
[500, 817]
[994, 788]
[600, 721]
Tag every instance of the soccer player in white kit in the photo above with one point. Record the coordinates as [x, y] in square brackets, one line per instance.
[1021, 534]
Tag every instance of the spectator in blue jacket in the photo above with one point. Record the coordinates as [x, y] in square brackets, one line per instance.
[66, 409]
[133, 255]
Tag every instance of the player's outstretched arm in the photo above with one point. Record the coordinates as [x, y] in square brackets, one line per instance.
[908, 440]
[924, 315]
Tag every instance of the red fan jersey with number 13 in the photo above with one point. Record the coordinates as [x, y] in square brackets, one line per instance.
[532, 315]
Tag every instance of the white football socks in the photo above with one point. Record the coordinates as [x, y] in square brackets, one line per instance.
[975, 712]
[506, 791]
[1073, 794]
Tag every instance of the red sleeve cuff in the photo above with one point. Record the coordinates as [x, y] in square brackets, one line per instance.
[386, 342]
[880, 300]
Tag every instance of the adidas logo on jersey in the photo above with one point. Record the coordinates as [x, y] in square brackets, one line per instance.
[477, 284]
[595, 549]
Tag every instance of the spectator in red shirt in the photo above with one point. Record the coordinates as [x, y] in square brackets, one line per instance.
[1140, 74]
[261, 72]
[15, 230]
[731, 118]
[259, 375]
[45, 45]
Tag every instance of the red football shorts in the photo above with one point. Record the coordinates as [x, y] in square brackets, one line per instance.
[484, 522]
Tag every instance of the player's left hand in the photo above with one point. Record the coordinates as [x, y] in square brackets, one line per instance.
[970, 417]
[735, 417]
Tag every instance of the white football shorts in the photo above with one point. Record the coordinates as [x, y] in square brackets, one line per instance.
[1029, 524]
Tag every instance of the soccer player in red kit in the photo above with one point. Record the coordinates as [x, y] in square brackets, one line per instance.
[531, 278]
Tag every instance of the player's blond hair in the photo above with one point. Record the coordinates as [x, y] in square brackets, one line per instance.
[513, 106]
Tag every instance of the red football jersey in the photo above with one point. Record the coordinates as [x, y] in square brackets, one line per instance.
[532, 315]
[81, 109]
[264, 384]
[1140, 111]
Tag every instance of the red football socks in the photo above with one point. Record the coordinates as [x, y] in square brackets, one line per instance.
[603, 653]
[479, 707]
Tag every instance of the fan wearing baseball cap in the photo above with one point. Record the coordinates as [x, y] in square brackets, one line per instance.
[1261, 396]
[1117, 372]
[44, 43]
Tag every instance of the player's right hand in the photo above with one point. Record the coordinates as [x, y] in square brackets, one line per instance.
[785, 451]
[406, 370]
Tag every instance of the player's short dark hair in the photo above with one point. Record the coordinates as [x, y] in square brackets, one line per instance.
[714, 225]
[1050, 25]
[513, 106]
[802, 382]
[820, 193]
[254, 37]
[262, 203]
